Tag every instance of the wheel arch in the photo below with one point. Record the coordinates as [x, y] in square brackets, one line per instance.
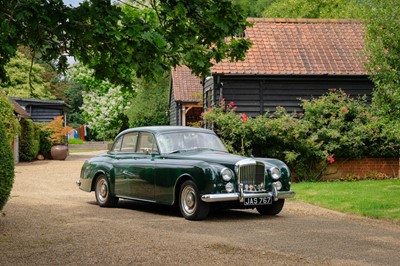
[182, 179]
[96, 176]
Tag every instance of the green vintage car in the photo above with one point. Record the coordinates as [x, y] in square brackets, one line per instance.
[186, 166]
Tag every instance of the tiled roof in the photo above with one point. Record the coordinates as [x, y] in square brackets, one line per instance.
[301, 47]
[187, 87]
[18, 109]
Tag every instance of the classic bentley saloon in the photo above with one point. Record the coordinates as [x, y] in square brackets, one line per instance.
[186, 166]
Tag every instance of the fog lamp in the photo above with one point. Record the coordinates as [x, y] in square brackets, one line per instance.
[229, 187]
[277, 185]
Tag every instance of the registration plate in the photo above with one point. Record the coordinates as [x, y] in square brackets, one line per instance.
[258, 201]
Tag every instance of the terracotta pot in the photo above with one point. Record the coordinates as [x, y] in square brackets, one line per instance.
[59, 152]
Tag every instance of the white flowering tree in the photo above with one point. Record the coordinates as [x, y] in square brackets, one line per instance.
[104, 104]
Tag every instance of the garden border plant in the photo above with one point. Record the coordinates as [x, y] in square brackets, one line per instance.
[6, 167]
[29, 141]
[9, 127]
[332, 126]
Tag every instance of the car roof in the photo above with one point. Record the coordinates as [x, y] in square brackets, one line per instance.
[166, 129]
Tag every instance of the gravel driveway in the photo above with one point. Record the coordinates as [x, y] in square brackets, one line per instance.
[49, 221]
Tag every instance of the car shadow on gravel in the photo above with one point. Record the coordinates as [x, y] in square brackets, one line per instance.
[216, 214]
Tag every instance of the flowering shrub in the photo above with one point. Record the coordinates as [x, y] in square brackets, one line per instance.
[348, 127]
[104, 111]
[331, 126]
[104, 104]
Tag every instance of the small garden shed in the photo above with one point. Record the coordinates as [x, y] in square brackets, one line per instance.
[43, 110]
[291, 59]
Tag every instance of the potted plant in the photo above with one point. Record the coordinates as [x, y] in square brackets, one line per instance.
[59, 132]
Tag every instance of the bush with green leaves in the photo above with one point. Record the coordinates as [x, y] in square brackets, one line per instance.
[6, 166]
[45, 142]
[9, 119]
[332, 126]
[29, 141]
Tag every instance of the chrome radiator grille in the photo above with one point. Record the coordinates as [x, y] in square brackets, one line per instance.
[251, 175]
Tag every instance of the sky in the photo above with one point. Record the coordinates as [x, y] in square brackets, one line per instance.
[72, 2]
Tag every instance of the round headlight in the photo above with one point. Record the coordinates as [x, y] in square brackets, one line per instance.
[275, 173]
[226, 174]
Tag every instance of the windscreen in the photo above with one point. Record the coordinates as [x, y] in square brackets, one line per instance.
[183, 141]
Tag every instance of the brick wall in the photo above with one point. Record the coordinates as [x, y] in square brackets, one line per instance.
[364, 168]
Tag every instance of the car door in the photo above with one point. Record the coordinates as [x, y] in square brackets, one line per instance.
[143, 185]
[123, 154]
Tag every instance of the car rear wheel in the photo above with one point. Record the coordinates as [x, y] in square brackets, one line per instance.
[102, 191]
[190, 203]
[272, 209]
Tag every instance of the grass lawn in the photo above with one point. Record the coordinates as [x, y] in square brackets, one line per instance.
[371, 198]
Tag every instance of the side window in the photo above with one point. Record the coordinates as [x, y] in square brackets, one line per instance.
[117, 145]
[147, 143]
[129, 142]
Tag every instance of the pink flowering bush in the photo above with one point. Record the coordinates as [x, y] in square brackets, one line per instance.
[331, 126]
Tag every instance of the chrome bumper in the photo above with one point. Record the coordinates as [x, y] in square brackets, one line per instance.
[276, 195]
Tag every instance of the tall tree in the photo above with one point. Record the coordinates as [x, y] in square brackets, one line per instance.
[150, 106]
[314, 9]
[383, 47]
[26, 79]
[254, 8]
[154, 36]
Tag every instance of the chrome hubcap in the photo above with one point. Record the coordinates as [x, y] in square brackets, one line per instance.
[102, 189]
[188, 200]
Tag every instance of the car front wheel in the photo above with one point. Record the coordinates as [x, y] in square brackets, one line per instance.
[272, 209]
[102, 191]
[190, 203]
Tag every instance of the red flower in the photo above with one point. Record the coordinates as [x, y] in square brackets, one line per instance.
[344, 110]
[331, 159]
[209, 109]
[244, 117]
[231, 105]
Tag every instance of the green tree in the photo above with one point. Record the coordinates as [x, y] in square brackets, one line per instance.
[383, 48]
[314, 9]
[25, 79]
[6, 166]
[253, 8]
[147, 40]
[150, 106]
[73, 97]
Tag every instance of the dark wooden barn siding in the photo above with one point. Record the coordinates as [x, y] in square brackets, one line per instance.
[255, 96]
[44, 114]
[209, 92]
[245, 94]
[173, 121]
